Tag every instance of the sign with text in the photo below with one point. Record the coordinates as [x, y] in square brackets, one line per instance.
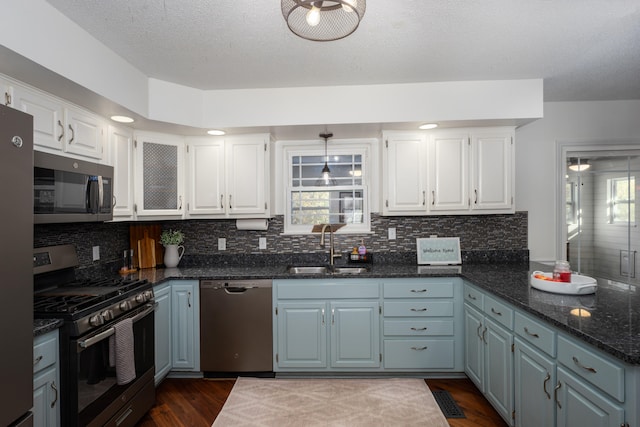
[439, 250]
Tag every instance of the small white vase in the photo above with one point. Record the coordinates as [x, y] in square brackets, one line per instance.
[173, 255]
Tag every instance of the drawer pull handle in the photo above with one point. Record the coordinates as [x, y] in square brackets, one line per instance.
[419, 348]
[586, 368]
[418, 290]
[418, 309]
[497, 313]
[472, 297]
[419, 329]
[38, 359]
[531, 334]
[555, 394]
[544, 385]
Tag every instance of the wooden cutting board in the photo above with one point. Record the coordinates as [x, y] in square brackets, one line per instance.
[145, 240]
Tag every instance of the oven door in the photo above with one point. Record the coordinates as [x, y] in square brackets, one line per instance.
[94, 379]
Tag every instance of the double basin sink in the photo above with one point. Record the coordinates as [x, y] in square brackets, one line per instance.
[326, 269]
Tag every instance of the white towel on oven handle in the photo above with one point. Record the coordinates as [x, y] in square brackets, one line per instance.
[121, 352]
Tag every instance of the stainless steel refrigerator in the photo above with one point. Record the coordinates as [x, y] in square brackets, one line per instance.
[16, 267]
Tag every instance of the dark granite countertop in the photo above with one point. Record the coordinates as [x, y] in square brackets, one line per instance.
[42, 326]
[615, 309]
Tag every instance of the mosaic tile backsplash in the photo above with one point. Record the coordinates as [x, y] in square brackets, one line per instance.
[483, 238]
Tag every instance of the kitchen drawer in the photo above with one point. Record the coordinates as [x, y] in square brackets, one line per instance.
[473, 296]
[418, 308]
[418, 354]
[418, 327]
[599, 371]
[534, 332]
[45, 350]
[499, 312]
[326, 289]
[440, 289]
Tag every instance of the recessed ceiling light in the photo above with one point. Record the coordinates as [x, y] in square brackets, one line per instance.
[216, 132]
[428, 126]
[122, 119]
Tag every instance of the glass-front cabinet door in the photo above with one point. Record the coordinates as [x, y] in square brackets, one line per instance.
[159, 175]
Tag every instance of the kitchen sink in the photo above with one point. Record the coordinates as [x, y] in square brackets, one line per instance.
[304, 269]
[307, 269]
[349, 270]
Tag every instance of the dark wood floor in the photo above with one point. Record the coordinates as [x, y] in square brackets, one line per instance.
[197, 402]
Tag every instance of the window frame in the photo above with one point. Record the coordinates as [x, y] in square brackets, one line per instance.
[316, 148]
[612, 200]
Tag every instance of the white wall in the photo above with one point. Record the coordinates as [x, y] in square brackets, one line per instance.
[536, 164]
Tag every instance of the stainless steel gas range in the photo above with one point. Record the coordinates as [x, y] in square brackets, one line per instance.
[93, 392]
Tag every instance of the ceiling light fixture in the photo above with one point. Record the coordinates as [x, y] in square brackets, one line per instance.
[323, 21]
[325, 179]
[122, 119]
[578, 165]
[216, 132]
[428, 126]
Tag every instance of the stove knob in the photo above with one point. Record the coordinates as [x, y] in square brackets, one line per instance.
[141, 298]
[107, 315]
[96, 320]
[125, 306]
[148, 295]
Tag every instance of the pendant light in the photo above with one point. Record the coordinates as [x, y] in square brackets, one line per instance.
[326, 179]
[324, 20]
[578, 165]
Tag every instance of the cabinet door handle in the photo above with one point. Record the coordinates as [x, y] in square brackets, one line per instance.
[61, 131]
[484, 332]
[472, 297]
[478, 331]
[189, 299]
[419, 348]
[180, 200]
[418, 309]
[544, 385]
[418, 329]
[497, 313]
[222, 201]
[476, 199]
[323, 316]
[433, 198]
[55, 389]
[38, 359]
[586, 368]
[73, 135]
[7, 98]
[424, 198]
[333, 316]
[230, 204]
[555, 394]
[418, 290]
[531, 334]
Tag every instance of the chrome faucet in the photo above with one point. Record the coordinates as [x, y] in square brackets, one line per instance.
[332, 254]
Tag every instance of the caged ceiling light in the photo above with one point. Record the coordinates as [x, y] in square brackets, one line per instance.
[326, 179]
[323, 21]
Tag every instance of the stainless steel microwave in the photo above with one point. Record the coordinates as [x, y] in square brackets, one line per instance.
[70, 190]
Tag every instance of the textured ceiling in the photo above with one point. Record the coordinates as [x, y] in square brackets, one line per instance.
[583, 49]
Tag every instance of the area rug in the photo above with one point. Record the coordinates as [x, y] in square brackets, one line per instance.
[330, 402]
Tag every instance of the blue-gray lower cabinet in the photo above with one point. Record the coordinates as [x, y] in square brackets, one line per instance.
[558, 380]
[326, 325]
[46, 380]
[185, 325]
[162, 318]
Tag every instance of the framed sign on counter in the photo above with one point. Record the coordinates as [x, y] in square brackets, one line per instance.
[439, 251]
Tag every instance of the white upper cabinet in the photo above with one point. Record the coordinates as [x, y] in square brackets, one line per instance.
[453, 171]
[121, 146]
[159, 175]
[59, 126]
[404, 173]
[229, 177]
[449, 168]
[492, 171]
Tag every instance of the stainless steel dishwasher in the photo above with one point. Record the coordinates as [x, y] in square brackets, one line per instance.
[236, 335]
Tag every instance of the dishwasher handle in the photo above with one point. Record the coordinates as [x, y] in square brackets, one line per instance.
[235, 289]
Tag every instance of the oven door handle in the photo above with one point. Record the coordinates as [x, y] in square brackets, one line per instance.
[102, 335]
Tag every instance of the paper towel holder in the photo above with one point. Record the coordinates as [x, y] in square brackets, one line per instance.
[252, 224]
